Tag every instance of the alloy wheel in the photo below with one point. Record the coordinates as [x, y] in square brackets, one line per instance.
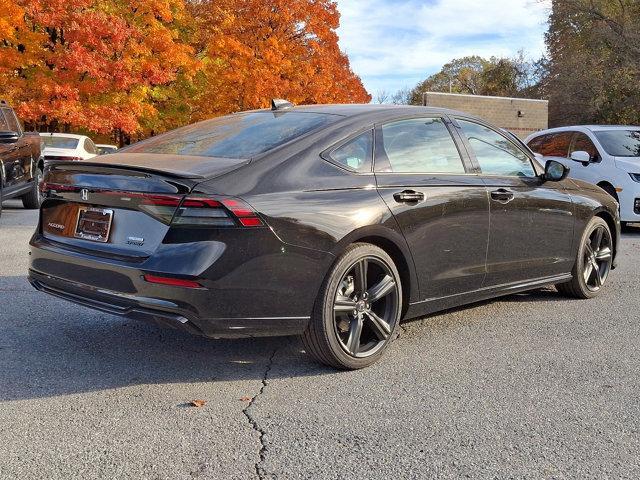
[598, 257]
[366, 307]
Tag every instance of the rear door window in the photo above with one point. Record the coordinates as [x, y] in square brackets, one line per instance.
[536, 143]
[420, 145]
[12, 124]
[4, 125]
[90, 147]
[556, 145]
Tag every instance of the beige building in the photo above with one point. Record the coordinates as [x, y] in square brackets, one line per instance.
[522, 116]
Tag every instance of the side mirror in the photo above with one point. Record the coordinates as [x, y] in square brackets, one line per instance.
[9, 137]
[580, 156]
[555, 171]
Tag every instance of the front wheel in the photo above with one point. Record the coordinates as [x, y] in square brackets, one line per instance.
[593, 262]
[357, 311]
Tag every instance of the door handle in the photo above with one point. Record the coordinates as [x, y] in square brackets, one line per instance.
[408, 196]
[502, 195]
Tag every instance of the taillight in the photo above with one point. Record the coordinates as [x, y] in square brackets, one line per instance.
[160, 206]
[63, 159]
[216, 212]
[46, 187]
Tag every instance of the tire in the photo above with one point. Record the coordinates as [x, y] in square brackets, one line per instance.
[585, 285]
[349, 330]
[611, 191]
[32, 199]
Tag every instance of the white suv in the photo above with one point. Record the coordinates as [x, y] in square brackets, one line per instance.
[606, 156]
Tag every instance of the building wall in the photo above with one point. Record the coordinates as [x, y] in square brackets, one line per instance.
[500, 111]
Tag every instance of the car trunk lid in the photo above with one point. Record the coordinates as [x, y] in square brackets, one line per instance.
[115, 210]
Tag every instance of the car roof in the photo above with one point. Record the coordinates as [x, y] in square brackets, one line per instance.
[581, 128]
[65, 135]
[106, 145]
[364, 110]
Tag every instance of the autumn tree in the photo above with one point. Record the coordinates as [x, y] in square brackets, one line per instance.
[254, 51]
[594, 62]
[474, 75]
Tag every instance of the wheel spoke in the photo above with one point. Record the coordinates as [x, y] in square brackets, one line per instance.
[598, 276]
[588, 249]
[588, 270]
[355, 332]
[379, 326]
[603, 254]
[343, 304]
[597, 239]
[361, 276]
[382, 289]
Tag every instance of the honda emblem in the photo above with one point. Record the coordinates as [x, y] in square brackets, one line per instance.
[84, 193]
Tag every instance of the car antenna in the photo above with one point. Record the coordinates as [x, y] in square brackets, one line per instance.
[280, 104]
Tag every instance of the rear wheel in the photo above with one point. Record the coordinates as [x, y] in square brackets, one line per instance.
[593, 262]
[357, 312]
[32, 199]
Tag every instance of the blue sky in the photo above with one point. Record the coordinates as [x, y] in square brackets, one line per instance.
[396, 43]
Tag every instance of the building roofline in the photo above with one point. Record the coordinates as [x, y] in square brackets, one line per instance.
[488, 97]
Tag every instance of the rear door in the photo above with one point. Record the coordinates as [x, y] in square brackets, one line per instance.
[440, 204]
[531, 220]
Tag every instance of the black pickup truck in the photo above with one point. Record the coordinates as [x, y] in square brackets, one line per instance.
[21, 163]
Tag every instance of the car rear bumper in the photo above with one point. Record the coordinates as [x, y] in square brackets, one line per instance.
[245, 306]
[164, 313]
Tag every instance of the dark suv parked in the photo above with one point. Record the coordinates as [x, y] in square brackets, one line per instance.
[21, 164]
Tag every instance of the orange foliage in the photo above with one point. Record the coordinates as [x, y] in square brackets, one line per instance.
[259, 50]
[110, 66]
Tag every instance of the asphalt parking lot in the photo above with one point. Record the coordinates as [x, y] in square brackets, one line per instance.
[529, 386]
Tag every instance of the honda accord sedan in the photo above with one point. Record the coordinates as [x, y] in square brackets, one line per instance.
[330, 222]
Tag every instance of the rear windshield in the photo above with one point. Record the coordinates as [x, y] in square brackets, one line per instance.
[235, 136]
[60, 142]
[620, 143]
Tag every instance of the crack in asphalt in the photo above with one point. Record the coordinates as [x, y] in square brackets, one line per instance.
[260, 471]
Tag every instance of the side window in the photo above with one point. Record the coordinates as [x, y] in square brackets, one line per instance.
[536, 143]
[4, 125]
[356, 154]
[496, 154]
[583, 143]
[89, 146]
[12, 122]
[421, 145]
[556, 145]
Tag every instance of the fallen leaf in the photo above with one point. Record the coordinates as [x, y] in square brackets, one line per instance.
[245, 399]
[198, 403]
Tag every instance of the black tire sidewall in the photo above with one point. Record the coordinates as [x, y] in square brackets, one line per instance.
[579, 267]
[32, 200]
[357, 251]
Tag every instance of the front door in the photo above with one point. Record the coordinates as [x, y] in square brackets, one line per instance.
[441, 207]
[531, 220]
[17, 157]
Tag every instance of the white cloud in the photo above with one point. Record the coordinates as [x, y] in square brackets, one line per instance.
[395, 43]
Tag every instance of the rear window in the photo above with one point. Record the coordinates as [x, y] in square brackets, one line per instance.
[60, 142]
[235, 136]
[620, 143]
[554, 145]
